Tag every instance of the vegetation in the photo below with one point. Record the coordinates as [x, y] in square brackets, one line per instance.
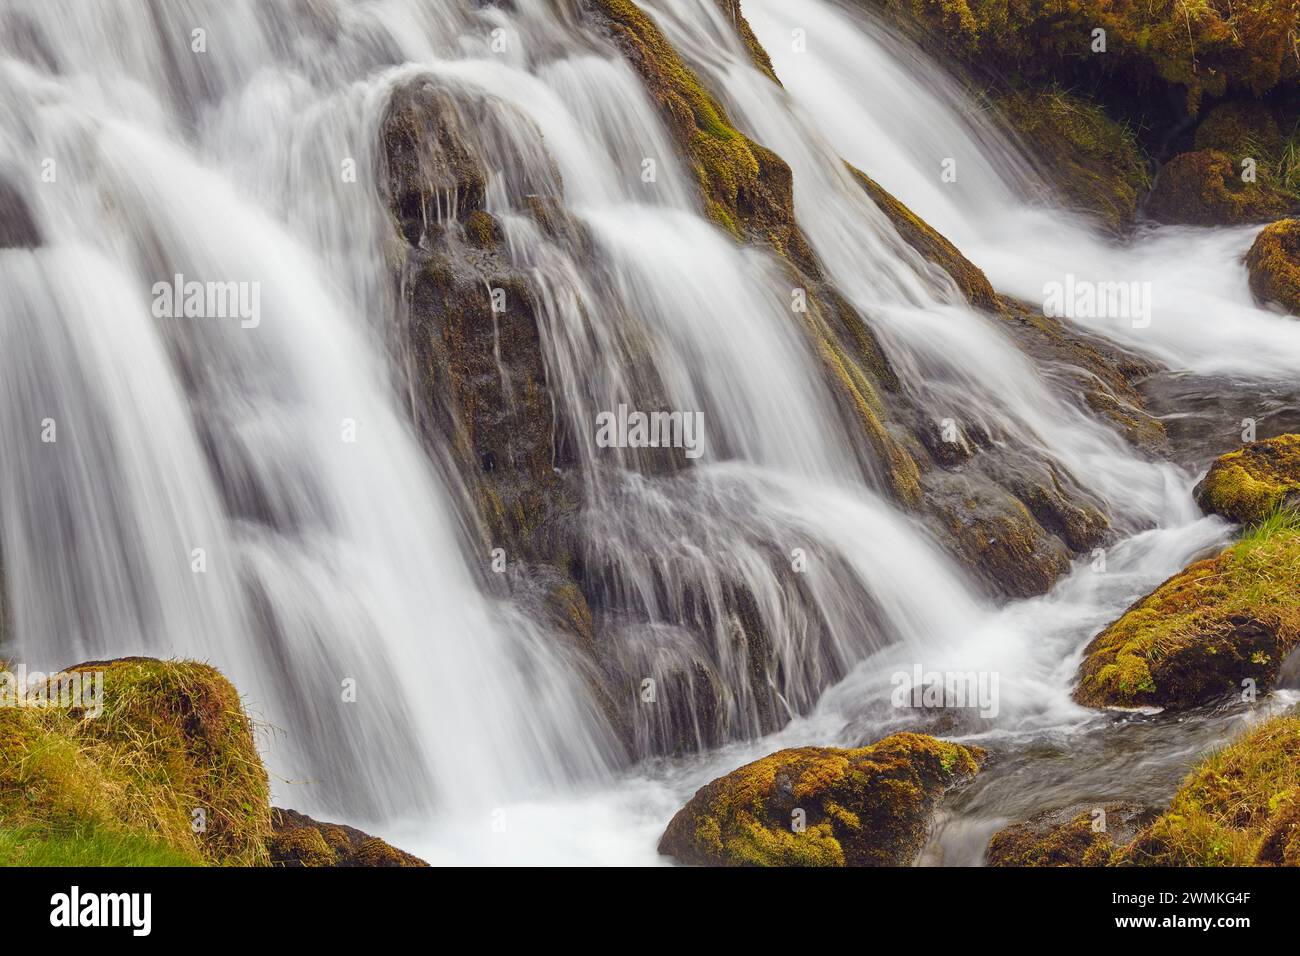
[172, 745]
[1274, 265]
[1239, 807]
[815, 806]
[1072, 836]
[1253, 482]
[1206, 631]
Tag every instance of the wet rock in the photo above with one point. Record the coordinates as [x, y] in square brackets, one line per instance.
[1080, 835]
[297, 840]
[1248, 484]
[1206, 188]
[1211, 632]
[815, 806]
[1274, 265]
[18, 228]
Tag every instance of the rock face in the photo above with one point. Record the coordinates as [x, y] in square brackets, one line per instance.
[1205, 188]
[1240, 807]
[1077, 835]
[1205, 632]
[298, 840]
[866, 807]
[1247, 484]
[172, 741]
[1274, 265]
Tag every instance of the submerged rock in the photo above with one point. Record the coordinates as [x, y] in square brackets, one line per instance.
[1239, 807]
[298, 840]
[816, 806]
[1206, 188]
[1248, 484]
[1221, 627]
[1274, 265]
[1080, 835]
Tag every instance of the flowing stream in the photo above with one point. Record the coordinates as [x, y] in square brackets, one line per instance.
[253, 494]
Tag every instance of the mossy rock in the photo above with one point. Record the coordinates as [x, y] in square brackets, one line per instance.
[171, 746]
[817, 806]
[1274, 265]
[932, 245]
[1200, 636]
[1206, 188]
[1252, 482]
[746, 189]
[1093, 161]
[1072, 836]
[1243, 129]
[299, 841]
[1238, 807]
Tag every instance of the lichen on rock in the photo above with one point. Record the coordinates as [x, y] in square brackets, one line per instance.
[817, 806]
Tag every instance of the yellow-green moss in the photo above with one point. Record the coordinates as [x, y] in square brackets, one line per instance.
[1274, 265]
[172, 739]
[1239, 807]
[1249, 484]
[1069, 836]
[1203, 632]
[862, 807]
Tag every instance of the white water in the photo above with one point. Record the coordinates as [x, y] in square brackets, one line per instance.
[329, 560]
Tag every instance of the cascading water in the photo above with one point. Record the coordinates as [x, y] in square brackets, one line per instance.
[328, 560]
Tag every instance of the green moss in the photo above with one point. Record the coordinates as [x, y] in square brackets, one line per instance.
[862, 807]
[1239, 807]
[1199, 635]
[1274, 265]
[1068, 837]
[37, 846]
[1206, 188]
[1093, 161]
[172, 739]
[1249, 484]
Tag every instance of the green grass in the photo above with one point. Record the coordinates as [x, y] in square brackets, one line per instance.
[32, 846]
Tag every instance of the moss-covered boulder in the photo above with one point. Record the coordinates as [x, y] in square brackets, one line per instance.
[1094, 162]
[1239, 807]
[297, 840]
[1079, 835]
[816, 806]
[163, 770]
[1249, 484]
[1205, 633]
[1243, 129]
[1274, 265]
[1206, 188]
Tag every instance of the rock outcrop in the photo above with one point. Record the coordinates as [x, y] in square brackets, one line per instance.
[297, 840]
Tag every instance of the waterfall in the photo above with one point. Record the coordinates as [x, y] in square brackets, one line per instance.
[252, 491]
